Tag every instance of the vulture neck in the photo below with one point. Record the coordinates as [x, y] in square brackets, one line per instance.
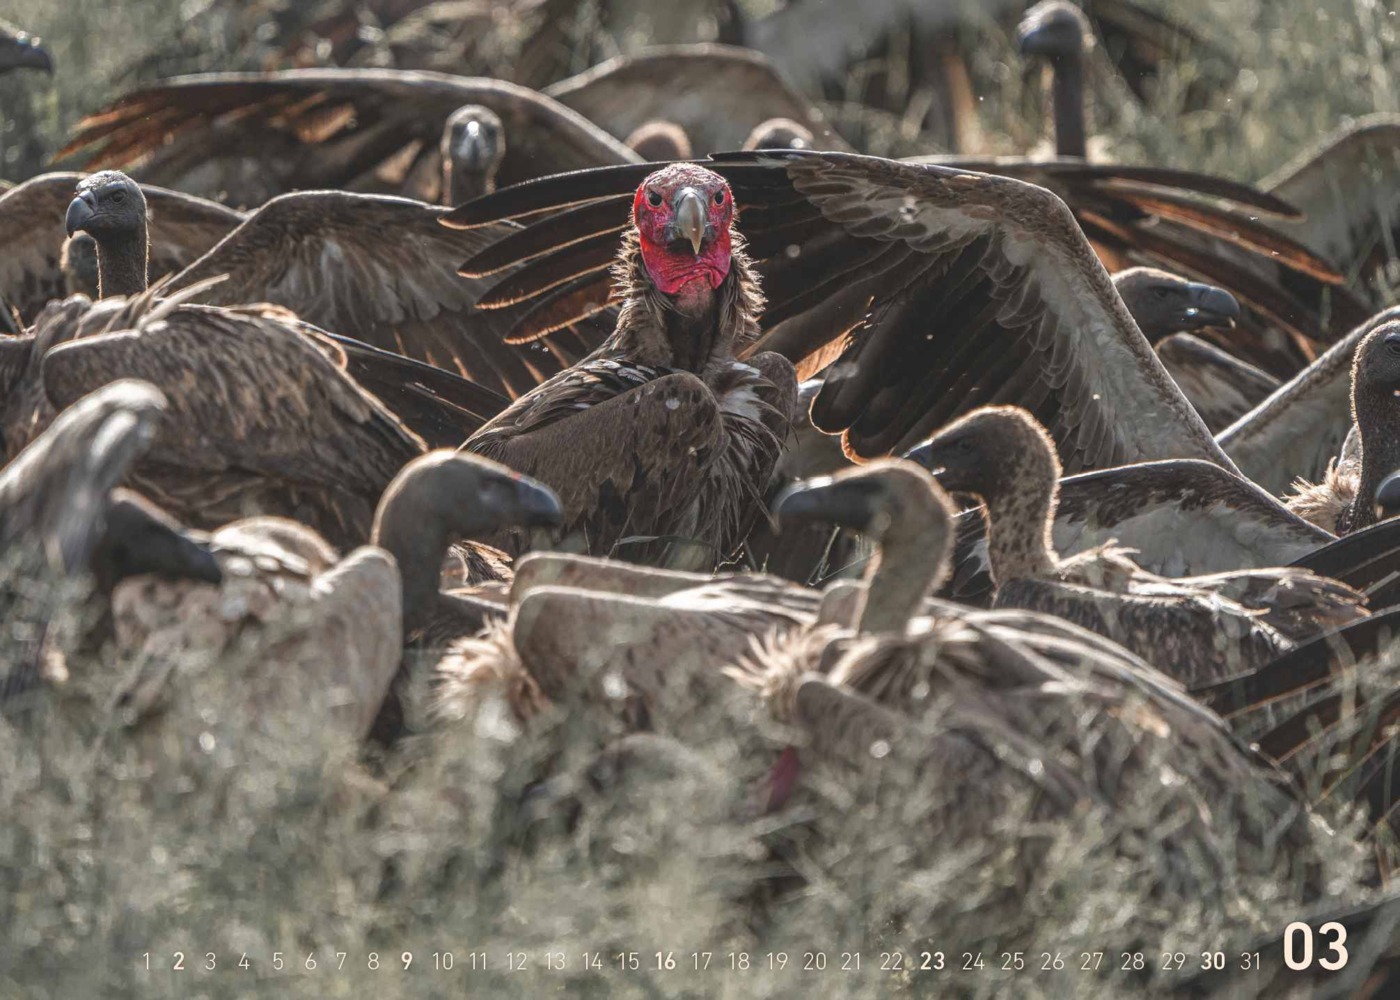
[1020, 518]
[1068, 107]
[418, 542]
[652, 328]
[122, 263]
[910, 563]
[461, 185]
[1380, 454]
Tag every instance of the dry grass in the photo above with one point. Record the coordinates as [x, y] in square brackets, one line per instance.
[199, 829]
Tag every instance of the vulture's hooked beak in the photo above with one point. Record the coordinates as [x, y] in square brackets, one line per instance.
[690, 217]
[472, 151]
[923, 455]
[1388, 497]
[23, 52]
[848, 503]
[1210, 306]
[535, 505]
[80, 213]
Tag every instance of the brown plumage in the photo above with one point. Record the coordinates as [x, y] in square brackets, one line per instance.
[1344, 501]
[855, 253]
[1199, 629]
[1219, 385]
[1001, 702]
[379, 131]
[181, 229]
[686, 436]
[659, 141]
[263, 418]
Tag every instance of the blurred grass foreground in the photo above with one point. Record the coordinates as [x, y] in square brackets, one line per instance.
[208, 832]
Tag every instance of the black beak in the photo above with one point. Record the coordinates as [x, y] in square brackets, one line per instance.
[690, 217]
[25, 53]
[1210, 306]
[80, 213]
[139, 541]
[535, 505]
[1388, 497]
[923, 455]
[849, 503]
[471, 149]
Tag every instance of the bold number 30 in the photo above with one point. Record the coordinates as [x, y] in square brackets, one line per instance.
[1298, 946]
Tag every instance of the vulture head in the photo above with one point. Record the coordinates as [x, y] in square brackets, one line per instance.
[21, 50]
[1164, 303]
[1055, 29]
[884, 500]
[78, 262]
[473, 145]
[461, 495]
[682, 214]
[1375, 389]
[660, 141]
[780, 133]
[109, 203]
[992, 452]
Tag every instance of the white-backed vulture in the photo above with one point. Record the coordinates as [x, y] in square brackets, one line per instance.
[1219, 385]
[68, 539]
[923, 290]
[996, 702]
[323, 255]
[1300, 428]
[1345, 499]
[180, 228]
[263, 417]
[718, 94]
[660, 443]
[1198, 629]
[379, 131]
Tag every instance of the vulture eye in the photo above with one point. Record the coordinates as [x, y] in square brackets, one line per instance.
[1392, 344]
[118, 197]
[1161, 293]
[654, 199]
[965, 445]
[719, 197]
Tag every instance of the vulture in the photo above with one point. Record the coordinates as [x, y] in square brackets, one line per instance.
[1345, 499]
[179, 228]
[780, 133]
[70, 538]
[717, 94]
[321, 254]
[1198, 629]
[78, 261]
[331, 621]
[1295, 432]
[985, 700]
[660, 442]
[1180, 517]
[921, 290]
[21, 50]
[380, 131]
[262, 419]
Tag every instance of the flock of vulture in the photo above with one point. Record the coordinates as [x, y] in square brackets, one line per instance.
[1047, 475]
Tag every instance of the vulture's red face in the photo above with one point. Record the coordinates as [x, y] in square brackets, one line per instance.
[682, 213]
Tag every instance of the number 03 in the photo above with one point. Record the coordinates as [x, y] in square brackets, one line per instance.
[1298, 946]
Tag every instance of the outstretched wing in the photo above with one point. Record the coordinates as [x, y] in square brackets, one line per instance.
[922, 290]
[382, 270]
[373, 130]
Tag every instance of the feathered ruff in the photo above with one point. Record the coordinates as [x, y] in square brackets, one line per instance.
[480, 668]
[1326, 502]
[646, 311]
